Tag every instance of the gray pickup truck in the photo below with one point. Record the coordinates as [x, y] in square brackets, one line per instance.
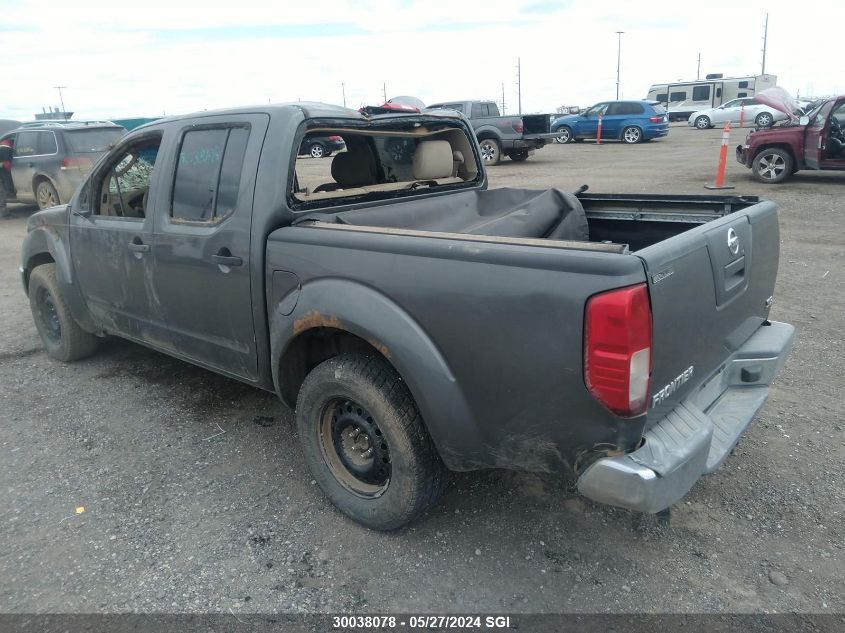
[417, 321]
[513, 136]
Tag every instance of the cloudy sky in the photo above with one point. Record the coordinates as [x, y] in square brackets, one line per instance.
[147, 58]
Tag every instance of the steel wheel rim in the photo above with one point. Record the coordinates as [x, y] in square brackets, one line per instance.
[632, 135]
[563, 135]
[46, 198]
[49, 315]
[772, 166]
[316, 151]
[354, 448]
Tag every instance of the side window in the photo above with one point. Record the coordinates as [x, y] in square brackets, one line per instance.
[614, 108]
[26, 144]
[479, 110]
[123, 186]
[46, 144]
[208, 174]
[718, 93]
[662, 97]
[625, 108]
[700, 93]
[743, 84]
[678, 96]
[741, 94]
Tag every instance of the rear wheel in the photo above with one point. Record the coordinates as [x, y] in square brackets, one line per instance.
[365, 443]
[46, 195]
[59, 331]
[702, 122]
[772, 166]
[764, 119]
[632, 134]
[316, 150]
[491, 151]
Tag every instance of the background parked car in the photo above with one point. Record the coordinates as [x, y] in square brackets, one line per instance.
[318, 146]
[628, 121]
[51, 159]
[761, 114]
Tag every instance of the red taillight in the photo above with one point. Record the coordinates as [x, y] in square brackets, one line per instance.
[76, 162]
[517, 126]
[656, 119]
[617, 349]
[334, 138]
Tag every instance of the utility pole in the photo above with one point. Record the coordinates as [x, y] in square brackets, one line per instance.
[343, 88]
[618, 60]
[61, 100]
[384, 91]
[503, 98]
[519, 83]
[698, 72]
[765, 42]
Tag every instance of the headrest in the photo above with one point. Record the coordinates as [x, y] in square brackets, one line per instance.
[354, 168]
[432, 160]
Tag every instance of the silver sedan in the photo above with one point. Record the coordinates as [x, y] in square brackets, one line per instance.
[755, 113]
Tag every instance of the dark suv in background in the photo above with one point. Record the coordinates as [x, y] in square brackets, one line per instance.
[629, 121]
[50, 160]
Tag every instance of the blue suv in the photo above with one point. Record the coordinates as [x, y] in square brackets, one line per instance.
[628, 121]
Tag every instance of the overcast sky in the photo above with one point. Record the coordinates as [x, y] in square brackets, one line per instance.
[143, 59]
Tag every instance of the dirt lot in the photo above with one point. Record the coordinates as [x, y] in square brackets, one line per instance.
[179, 517]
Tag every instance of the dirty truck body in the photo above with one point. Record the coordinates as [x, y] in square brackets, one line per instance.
[622, 338]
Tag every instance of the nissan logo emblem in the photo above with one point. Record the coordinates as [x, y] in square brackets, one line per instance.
[733, 242]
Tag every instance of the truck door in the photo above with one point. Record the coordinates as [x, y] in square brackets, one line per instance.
[33, 151]
[815, 135]
[111, 241]
[202, 234]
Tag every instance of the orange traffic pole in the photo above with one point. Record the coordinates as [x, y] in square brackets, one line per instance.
[742, 115]
[723, 160]
[598, 132]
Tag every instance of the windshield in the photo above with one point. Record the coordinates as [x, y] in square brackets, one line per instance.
[92, 141]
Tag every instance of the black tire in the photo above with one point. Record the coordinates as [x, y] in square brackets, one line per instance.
[632, 135]
[703, 122]
[564, 135]
[518, 157]
[356, 396]
[491, 151]
[46, 195]
[62, 337]
[764, 120]
[772, 165]
[316, 150]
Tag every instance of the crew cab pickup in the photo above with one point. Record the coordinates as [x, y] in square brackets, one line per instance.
[513, 136]
[417, 321]
[817, 141]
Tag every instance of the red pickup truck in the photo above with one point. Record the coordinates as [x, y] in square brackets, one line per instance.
[817, 141]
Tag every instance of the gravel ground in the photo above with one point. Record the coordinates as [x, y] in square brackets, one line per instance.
[196, 497]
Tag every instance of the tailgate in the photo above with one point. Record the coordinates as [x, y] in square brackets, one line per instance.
[711, 288]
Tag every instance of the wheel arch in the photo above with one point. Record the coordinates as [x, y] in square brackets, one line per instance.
[334, 316]
[784, 146]
[40, 177]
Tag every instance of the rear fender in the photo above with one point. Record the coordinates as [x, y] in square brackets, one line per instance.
[373, 317]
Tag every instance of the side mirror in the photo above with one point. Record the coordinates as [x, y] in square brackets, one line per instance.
[804, 120]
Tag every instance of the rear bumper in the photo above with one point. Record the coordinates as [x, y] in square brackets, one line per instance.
[656, 132]
[697, 435]
[534, 141]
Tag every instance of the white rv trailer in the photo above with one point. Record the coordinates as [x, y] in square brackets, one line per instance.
[685, 97]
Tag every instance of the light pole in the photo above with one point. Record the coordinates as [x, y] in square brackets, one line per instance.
[618, 61]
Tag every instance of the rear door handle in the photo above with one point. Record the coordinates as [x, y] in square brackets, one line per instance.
[139, 247]
[225, 258]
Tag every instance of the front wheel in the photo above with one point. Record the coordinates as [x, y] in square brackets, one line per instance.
[632, 135]
[702, 122]
[764, 119]
[491, 152]
[365, 443]
[59, 331]
[564, 135]
[46, 195]
[772, 166]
